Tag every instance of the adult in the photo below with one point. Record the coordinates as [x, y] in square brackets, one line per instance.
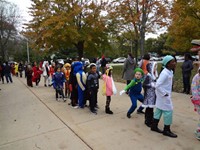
[20, 69]
[103, 64]
[7, 72]
[143, 63]
[186, 67]
[2, 66]
[129, 66]
[46, 73]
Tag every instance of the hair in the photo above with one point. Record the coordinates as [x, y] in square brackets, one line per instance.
[146, 57]
[130, 55]
[92, 66]
[188, 56]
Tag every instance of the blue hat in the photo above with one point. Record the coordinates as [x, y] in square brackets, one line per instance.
[167, 59]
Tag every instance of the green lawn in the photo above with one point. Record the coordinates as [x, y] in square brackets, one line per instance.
[178, 85]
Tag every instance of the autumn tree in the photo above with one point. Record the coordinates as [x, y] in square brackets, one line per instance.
[140, 17]
[9, 20]
[62, 24]
[185, 24]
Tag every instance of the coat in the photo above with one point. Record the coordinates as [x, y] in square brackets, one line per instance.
[109, 88]
[128, 71]
[163, 87]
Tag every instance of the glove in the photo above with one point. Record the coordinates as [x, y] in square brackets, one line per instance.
[153, 84]
[122, 92]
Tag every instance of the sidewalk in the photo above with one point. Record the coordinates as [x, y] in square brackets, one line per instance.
[30, 119]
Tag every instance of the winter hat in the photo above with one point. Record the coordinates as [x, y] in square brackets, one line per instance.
[167, 59]
[139, 70]
[92, 64]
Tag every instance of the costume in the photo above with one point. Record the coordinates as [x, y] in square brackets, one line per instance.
[110, 88]
[57, 81]
[36, 75]
[81, 80]
[163, 99]
[149, 92]
[195, 87]
[46, 73]
[29, 73]
[135, 88]
[67, 70]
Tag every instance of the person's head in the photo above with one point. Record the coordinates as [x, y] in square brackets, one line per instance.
[93, 68]
[57, 69]
[67, 66]
[187, 56]
[169, 62]
[146, 57]
[109, 70]
[138, 73]
[130, 55]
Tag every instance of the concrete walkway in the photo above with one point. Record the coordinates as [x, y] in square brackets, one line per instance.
[31, 119]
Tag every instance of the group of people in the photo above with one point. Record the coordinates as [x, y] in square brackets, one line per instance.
[82, 86]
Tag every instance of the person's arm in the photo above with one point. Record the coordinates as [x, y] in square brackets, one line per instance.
[78, 77]
[131, 84]
[161, 80]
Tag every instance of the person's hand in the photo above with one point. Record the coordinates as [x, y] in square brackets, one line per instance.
[122, 92]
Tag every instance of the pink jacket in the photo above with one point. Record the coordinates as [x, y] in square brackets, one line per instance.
[109, 89]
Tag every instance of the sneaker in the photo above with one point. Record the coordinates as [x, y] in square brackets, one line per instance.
[94, 112]
[128, 115]
[76, 107]
[97, 106]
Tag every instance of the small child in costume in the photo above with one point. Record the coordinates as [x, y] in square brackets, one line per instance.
[135, 88]
[58, 81]
[163, 97]
[81, 80]
[93, 87]
[149, 92]
[67, 70]
[110, 88]
[195, 87]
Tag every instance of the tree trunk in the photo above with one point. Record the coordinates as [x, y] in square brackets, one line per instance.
[80, 48]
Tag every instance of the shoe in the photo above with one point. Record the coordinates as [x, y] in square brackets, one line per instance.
[64, 100]
[167, 132]
[76, 107]
[128, 115]
[154, 126]
[94, 112]
[56, 99]
[140, 112]
[97, 106]
[45, 85]
[108, 111]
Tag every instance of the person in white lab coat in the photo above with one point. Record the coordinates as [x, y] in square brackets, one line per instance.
[163, 97]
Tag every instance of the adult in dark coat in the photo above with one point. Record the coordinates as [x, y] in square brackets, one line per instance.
[187, 67]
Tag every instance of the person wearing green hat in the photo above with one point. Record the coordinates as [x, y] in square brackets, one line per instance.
[135, 88]
[163, 97]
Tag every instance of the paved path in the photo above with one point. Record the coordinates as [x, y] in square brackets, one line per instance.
[31, 119]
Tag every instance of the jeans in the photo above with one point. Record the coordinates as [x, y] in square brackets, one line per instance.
[134, 99]
[8, 77]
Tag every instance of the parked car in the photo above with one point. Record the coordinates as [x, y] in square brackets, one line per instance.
[156, 58]
[119, 60]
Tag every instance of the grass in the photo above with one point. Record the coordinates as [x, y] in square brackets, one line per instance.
[178, 83]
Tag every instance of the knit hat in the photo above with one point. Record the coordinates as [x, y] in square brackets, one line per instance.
[167, 59]
[139, 70]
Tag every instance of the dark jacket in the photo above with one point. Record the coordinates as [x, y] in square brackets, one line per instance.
[187, 67]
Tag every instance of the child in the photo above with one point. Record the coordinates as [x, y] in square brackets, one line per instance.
[29, 73]
[57, 81]
[110, 88]
[81, 80]
[163, 97]
[135, 90]
[46, 73]
[92, 87]
[195, 87]
[149, 92]
[67, 70]
[36, 74]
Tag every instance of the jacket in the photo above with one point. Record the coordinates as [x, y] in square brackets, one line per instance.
[164, 90]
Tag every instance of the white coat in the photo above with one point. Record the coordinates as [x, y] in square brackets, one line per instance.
[163, 87]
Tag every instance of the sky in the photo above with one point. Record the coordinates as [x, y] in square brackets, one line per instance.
[24, 4]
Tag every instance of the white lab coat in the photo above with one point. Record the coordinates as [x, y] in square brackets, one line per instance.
[163, 87]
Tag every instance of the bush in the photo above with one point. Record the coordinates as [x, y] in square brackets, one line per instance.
[177, 82]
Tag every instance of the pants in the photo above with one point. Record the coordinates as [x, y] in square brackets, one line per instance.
[59, 91]
[186, 84]
[134, 99]
[8, 77]
[46, 79]
[37, 81]
[80, 97]
[167, 116]
[197, 132]
[108, 100]
[2, 78]
[93, 98]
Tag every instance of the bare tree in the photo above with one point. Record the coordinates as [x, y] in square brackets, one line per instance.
[9, 20]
